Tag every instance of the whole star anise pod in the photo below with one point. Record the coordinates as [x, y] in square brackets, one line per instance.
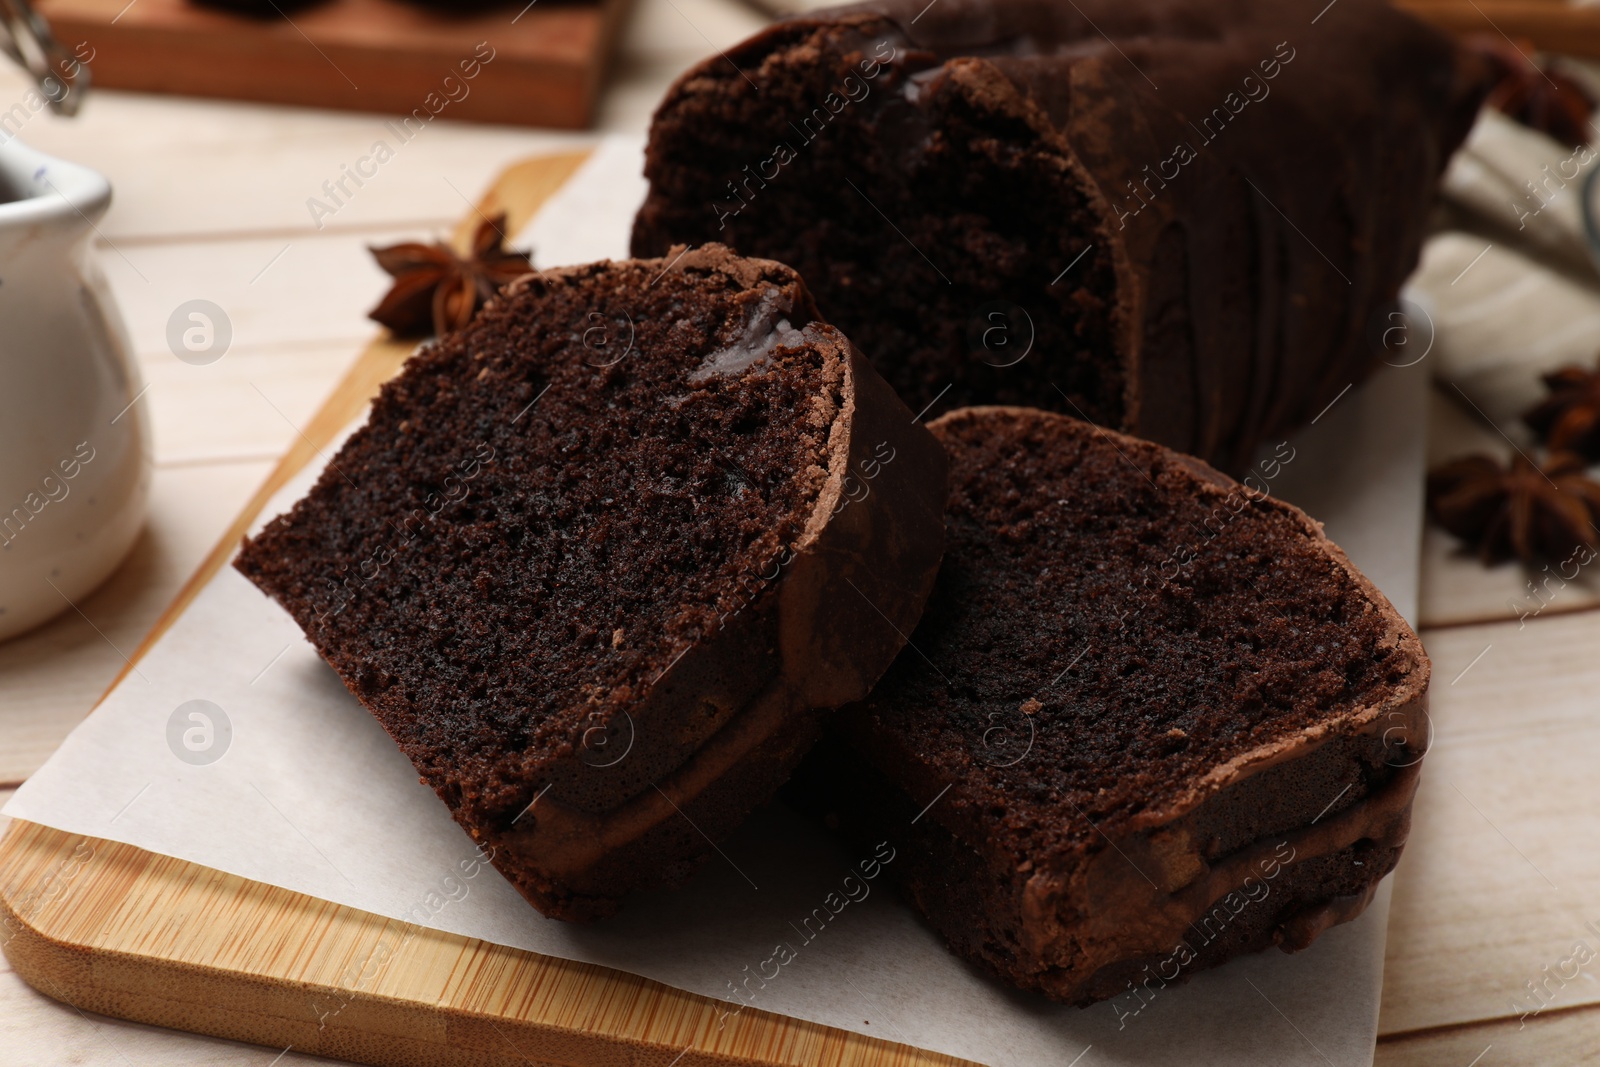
[1526, 511]
[1568, 420]
[1535, 94]
[435, 289]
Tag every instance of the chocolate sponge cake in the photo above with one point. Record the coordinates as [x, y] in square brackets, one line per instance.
[597, 560]
[1185, 219]
[1150, 719]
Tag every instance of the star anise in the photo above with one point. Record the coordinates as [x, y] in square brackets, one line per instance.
[1568, 420]
[436, 289]
[1535, 94]
[1527, 511]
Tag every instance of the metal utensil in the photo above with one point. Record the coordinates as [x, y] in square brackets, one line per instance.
[1591, 223]
[25, 37]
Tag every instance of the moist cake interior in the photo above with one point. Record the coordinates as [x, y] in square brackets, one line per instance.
[934, 236]
[551, 505]
[1100, 632]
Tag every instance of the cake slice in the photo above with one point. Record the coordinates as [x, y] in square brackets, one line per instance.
[597, 561]
[1151, 718]
[1186, 219]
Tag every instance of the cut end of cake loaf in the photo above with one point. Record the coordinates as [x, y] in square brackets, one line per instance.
[934, 210]
[590, 560]
[1157, 718]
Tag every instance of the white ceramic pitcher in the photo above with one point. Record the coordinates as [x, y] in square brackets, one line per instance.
[74, 431]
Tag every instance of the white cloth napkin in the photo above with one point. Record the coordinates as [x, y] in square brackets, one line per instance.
[1511, 290]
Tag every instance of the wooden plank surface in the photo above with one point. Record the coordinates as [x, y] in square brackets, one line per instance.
[1564, 1038]
[534, 65]
[1498, 878]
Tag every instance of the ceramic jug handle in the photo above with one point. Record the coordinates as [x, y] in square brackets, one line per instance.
[26, 38]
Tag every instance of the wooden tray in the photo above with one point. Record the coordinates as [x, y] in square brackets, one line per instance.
[1561, 26]
[389, 56]
[118, 930]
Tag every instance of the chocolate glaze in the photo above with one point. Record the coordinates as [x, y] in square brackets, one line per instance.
[1246, 281]
[1133, 918]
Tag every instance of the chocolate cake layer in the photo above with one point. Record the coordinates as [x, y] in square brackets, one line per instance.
[598, 561]
[1151, 719]
[1187, 219]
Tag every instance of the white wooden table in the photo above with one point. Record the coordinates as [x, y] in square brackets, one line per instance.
[1500, 876]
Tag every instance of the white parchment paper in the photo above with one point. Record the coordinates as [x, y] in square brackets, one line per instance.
[308, 793]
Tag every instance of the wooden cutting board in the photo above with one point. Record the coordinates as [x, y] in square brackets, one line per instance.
[115, 929]
[545, 59]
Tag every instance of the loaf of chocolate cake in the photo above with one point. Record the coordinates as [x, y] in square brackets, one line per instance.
[597, 561]
[1186, 219]
[1151, 718]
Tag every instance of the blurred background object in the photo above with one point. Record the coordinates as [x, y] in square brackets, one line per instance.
[59, 77]
[1551, 25]
[522, 62]
[1536, 93]
[75, 458]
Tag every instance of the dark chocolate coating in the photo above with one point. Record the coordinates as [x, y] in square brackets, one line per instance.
[1258, 179]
